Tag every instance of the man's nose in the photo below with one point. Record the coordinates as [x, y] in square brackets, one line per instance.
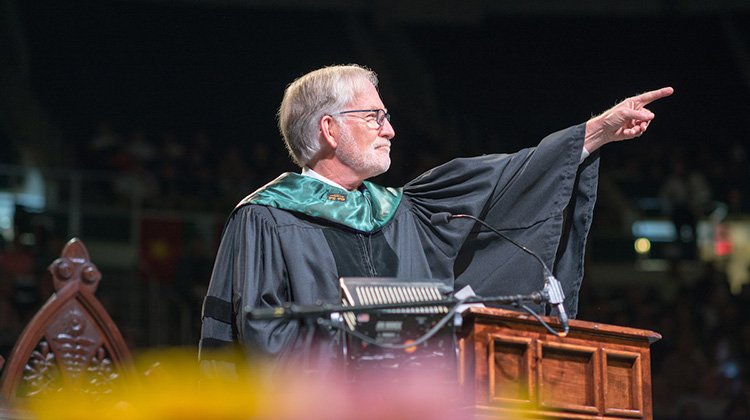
[387, 130]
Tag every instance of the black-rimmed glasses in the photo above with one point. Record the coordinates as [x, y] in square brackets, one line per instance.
[380, 115]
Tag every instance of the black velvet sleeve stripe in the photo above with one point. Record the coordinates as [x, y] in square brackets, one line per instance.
[212, 343]
[217, 309]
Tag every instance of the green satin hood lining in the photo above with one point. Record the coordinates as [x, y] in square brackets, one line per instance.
[367, 210]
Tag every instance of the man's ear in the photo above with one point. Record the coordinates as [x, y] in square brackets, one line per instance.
[329, 131]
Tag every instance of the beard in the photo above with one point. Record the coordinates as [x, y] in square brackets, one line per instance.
[372, 161]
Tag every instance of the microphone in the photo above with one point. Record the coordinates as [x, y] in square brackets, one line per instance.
[552, 287]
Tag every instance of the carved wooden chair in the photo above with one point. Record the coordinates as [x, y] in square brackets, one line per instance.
[71, 341]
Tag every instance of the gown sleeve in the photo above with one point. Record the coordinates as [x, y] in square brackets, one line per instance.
[249, 271]
[463, 185]
[548, 207]
[542, 197]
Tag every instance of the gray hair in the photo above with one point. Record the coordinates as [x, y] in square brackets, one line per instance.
[306, 100]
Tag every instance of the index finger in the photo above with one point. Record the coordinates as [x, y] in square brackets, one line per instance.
[648, 97]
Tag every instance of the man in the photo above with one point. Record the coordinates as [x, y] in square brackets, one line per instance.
[291, 240]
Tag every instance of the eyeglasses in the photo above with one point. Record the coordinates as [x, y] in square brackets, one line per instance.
[380, 116]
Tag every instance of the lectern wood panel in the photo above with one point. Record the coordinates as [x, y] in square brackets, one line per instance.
[509, 364]
[622, 377]
[510, 371]
[567, 377]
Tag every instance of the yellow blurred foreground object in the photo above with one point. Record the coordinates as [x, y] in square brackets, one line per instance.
[173, 385]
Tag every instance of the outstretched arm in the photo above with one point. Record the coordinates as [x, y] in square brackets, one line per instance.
[624, 121]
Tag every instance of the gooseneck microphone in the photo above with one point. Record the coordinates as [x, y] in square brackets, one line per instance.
[552, 287]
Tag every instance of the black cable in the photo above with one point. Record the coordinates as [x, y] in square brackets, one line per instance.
[309, 337]
[494, 230]
[434, 330]
[429, 334]
[541, 321]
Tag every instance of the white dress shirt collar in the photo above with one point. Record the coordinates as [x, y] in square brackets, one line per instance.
[312, 174]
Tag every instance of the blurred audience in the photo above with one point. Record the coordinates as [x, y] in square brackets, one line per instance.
[686, 198]
[701, 367]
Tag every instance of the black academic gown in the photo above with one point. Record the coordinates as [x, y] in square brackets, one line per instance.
[543, 197]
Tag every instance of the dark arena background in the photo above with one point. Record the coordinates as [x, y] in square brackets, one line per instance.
[138, 125]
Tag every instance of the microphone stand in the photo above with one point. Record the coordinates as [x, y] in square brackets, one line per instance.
[329, 314]
[325, 310]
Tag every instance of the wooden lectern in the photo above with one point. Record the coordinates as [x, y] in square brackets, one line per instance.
[510, 365]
